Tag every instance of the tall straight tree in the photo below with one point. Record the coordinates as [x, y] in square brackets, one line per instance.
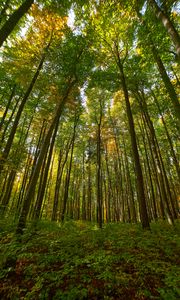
[33, 182]
[164, 18]
[162, 70]
[140, 181]
[18, 115]
[13, 20]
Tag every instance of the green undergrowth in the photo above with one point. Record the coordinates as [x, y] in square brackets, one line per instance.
[79, 261]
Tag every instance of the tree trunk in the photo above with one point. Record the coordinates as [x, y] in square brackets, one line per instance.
[7, 194]
[67, 180]
[13, 20]
[84, 212]
[99, 179]
[18, 115]
[45, 145]
[161, 171]
[167, 82]
[60, 169]
[140, 182]
[57, 187]
[35, 176]
[160, 162]
[7, 123]
[109, 194]
[173, 33]
[169, 86]
[155, 215]
[42, 187]
[24, 183]
[89, 189]
[133, 207]
[176, 163]
[7, 106]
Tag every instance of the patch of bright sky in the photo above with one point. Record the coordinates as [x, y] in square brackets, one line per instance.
[70, 23]
[83, 94]
[177, 7]
[77, 30]
[71, 18]
[143, 10]
[27, 25]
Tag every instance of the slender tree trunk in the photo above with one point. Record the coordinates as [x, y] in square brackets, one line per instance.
[99, 179]
[140, 182]
[7, 194]
[40, 182]
[48, 191]
[154, 169]
[77, 207]
[13, 20]
[61, 165]
[67, 180]
[167, 82]
[24, 183]
[7, 123]
[158, 162]
[173, 33]
[171, 200]
[7, 107]
[34, 179]
[109, 186]
[89, 189]
[133, 207]
[159, 159]
[57, 187]
[10, 183]
[40, 196]
[18, 115]
[119, 199]
[176, 163]
[150, 175]
[84, 213]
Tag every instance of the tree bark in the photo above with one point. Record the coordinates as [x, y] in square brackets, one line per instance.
[45, 145]
[61, 165]
[167, 82]
[42, 188]
[18, 115]
[167, 23]
[13, 20]
[7, 106]
[176, 163]
[67, 180]
[99, 179]
[84, 212]
[139, 176]
[8, 122]
[161, 171]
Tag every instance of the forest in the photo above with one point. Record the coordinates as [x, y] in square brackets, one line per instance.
[89, 149]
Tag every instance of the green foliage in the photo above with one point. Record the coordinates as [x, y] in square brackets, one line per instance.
[77, 260]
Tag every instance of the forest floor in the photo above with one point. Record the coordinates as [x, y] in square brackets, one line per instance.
[80, 261]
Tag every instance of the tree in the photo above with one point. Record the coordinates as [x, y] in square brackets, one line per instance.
[13, 20]
[163, 17]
